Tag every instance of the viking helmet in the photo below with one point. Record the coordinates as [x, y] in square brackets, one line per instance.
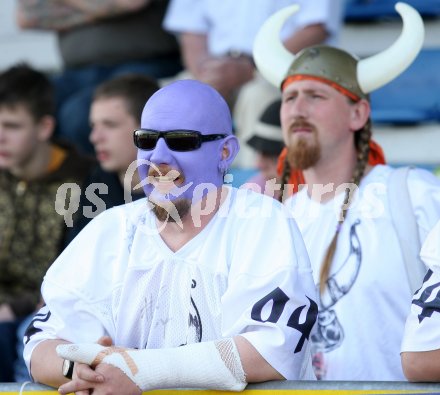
[335, 66]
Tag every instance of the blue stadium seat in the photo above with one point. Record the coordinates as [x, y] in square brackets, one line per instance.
[368, 10]
[414, 96]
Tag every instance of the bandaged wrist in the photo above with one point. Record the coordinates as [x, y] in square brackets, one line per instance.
[208, 365]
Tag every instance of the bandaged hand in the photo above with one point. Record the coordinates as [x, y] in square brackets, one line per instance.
[208, 365]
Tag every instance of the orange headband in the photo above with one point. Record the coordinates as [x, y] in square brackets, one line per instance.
[300, 77]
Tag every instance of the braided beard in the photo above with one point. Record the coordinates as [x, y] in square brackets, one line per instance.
[303, 155]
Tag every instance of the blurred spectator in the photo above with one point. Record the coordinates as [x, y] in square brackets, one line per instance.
[267, 141]
[115, 114]
[216, 41]
[32, 168]
[97, 41]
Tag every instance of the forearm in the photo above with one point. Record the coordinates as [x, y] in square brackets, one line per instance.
[194, 51]
[225, 364]
[49, 15]
[65, 14]
[46, 365]
[306, 37]
[421, 366]
[106, 8]
[256, 368]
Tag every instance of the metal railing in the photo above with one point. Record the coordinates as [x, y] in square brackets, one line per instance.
[275, 388]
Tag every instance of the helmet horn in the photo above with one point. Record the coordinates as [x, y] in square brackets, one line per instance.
[379, 69]
[273, 59]
[270, 56]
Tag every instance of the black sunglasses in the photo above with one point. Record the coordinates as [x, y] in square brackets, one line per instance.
[177, 140]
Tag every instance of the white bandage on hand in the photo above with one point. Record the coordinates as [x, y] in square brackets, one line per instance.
[208, 365]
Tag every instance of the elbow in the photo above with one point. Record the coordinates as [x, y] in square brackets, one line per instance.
[409, 366]
[415, 369]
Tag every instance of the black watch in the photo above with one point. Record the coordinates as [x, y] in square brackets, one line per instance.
[68, 368]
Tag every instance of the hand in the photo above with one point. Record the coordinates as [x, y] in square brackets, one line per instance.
[115, 381]
[106, 379]
[226, 74]
[6, 313]
[84, 378]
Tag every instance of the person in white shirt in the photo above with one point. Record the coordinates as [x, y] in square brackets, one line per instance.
[343, 209]
[216, 39]
[421, 340]
[197, 285]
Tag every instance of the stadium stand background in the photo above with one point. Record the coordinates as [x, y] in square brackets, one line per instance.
[38, 48]
[406, 113]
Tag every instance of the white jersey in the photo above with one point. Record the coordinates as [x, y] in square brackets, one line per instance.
[363, 311]
[422, 326]
[247, 272]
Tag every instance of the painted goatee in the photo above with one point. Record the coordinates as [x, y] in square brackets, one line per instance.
[171, 211]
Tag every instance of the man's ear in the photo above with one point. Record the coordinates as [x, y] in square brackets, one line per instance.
[360, 112]
[229, 151]
[45, 127]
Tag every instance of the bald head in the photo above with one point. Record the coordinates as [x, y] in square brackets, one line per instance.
[187, 104]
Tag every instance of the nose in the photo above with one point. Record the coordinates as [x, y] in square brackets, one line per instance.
[161, 153]
[95, 135]
[259, 161]
[299, 107]
[2, 133]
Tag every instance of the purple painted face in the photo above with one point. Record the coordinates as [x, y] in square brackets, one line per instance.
[186, 105]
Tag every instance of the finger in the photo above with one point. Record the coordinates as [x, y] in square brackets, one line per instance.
[76, 386]
[83, 353]
[105, 341]
[86, 373]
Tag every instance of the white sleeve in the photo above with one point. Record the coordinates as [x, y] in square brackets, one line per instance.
[78, 286]
[271, 297]
[422, 325]
[193, 15]
[327, 12]
[185, 16]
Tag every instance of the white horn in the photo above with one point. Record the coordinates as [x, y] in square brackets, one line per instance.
[378, 70]
[270, 56]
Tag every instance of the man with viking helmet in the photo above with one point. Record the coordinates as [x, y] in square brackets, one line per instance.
[344, 211]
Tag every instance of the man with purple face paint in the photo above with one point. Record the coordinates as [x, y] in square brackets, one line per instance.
[187, 176]
[199, 285]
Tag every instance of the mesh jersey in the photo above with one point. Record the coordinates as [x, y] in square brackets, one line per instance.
[421, 329]
[368, 295]
[247, 272]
